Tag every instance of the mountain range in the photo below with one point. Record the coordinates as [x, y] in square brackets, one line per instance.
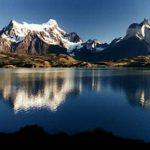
[41, 39]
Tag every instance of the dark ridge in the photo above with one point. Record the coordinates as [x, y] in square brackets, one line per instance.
[133, 25]
[36, 136]
[128, 48]
[73, 37]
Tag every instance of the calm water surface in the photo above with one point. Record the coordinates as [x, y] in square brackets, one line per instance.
[74, 100]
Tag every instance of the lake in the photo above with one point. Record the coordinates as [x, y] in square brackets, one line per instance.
[74, 100]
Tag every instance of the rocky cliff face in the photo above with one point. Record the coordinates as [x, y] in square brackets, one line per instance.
[136, 42]
[36, 38]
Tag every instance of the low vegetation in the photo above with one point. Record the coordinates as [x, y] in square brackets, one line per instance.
[139, 61]
[13, 60]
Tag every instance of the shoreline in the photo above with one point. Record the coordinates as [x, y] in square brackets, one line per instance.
[96, 138]
[14, 60]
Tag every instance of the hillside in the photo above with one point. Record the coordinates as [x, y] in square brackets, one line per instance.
[13, 60]
[139, 61]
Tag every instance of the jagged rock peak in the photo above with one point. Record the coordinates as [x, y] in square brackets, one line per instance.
[145, 22]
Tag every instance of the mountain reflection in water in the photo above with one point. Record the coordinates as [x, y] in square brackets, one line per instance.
[49, 88]
[40, 89]
[135, 85]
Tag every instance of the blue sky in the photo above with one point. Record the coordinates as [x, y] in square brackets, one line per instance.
[100, 19]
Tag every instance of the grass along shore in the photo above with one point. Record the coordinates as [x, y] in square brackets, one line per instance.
[13, 60]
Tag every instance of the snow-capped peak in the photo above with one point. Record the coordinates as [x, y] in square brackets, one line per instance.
[94, 45]
[139, 30]
[16, 32]
[52, 23]
[13, 22]
[49, 32]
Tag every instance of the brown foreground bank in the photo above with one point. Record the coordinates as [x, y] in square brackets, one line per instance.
[35, 136]
[13, 60]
